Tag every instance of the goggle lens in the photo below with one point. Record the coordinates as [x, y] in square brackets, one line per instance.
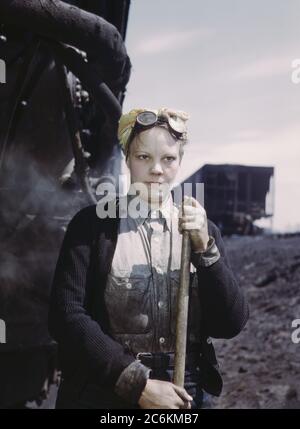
[177, 124]
[148, 118]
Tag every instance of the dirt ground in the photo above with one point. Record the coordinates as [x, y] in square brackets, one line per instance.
[261, 366]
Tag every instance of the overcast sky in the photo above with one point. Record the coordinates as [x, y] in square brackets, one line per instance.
[228, 64]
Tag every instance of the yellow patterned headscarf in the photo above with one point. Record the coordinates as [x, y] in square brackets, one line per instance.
[127, 121]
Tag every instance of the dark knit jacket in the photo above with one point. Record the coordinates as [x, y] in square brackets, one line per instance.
[78, 319]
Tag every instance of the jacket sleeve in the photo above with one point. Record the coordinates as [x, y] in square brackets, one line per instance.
[224, 307]
[70, 324]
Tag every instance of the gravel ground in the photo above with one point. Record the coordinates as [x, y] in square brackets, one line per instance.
[261, 366]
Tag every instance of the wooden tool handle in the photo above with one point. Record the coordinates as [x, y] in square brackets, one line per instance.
[182, 311]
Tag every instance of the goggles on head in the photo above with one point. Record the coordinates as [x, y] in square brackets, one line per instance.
[148, 119]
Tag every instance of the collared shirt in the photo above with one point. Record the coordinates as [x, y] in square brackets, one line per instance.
[142, 285]
[145, 270]
[144, 242]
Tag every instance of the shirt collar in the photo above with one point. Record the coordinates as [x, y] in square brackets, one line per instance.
[165, 209]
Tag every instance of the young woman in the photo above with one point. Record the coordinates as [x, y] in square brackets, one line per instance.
[113, 306]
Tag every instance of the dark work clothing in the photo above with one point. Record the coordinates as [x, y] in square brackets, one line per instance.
[78, 317]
